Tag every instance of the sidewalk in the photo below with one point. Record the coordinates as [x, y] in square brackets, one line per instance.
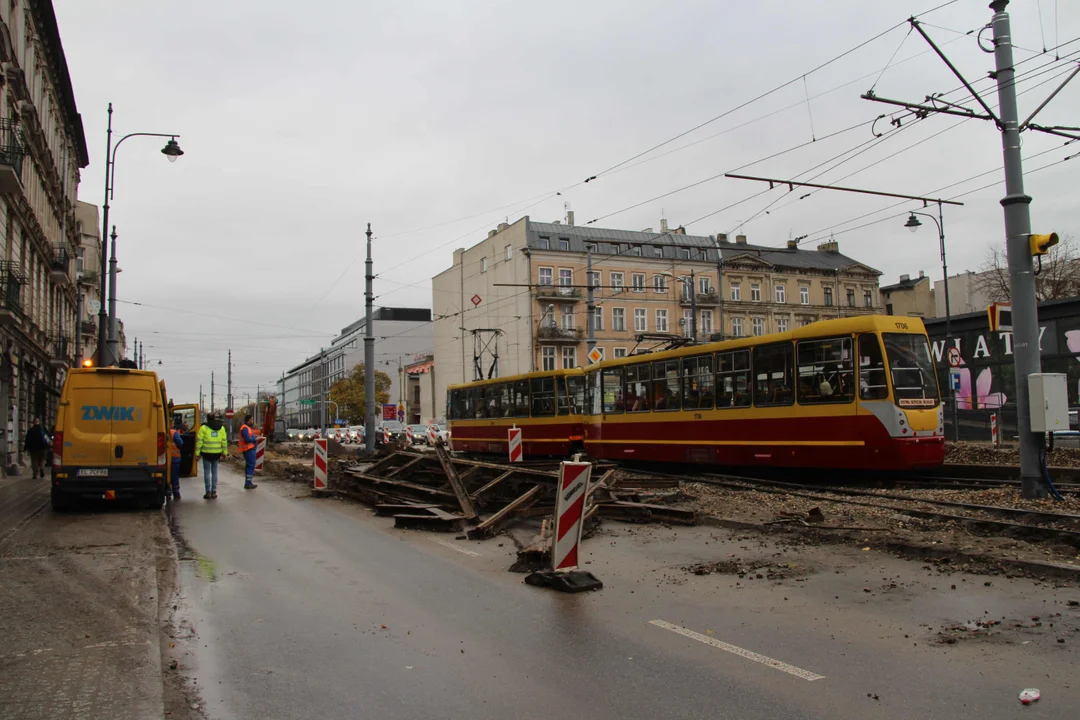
[79, 626]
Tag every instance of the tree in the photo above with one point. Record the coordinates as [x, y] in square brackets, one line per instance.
[350, 396]
[1058, 278]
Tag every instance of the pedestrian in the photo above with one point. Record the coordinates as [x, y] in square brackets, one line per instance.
[247, 446]
[37, 444]
[212, 444]
[175, 448]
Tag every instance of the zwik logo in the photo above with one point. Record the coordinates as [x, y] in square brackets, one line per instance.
[120, 413]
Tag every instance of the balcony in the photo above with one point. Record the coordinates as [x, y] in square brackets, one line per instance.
[709, 298]
[558, 292]
[88, 279]
[60, 265]
[558, 334]
[60, 357]
[12, 154]
[11, 284]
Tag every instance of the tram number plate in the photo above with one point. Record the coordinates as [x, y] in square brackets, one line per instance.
[92, 472]
[917, 402]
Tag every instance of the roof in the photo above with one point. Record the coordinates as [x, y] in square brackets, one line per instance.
[907, 284]
[703, 248]
[51, 38]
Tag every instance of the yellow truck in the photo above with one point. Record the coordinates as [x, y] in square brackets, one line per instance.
[111, 439]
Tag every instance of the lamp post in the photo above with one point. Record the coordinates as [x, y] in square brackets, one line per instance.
[108, 319]
[914, 224]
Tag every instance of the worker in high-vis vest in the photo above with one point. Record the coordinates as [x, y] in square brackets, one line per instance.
[175, 447]
[246, 445]
[212, 444]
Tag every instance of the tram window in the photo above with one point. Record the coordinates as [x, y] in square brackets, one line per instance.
[773, 366]
[698, 383]
[458, 405]
[613, 391]
[666, 391]
[474, 403]
[593, 395]
[826, 371]
[638, 388]
[913, 377]
[542, 392]
[733, 379]
[873, 382]
[520, 395]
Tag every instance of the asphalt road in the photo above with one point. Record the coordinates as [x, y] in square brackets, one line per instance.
[314, 608]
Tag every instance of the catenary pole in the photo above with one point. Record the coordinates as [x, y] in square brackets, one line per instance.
[229, 399]
[369, 353]
[114, 340]
[211, 391]
[591, 314]
[103, 359]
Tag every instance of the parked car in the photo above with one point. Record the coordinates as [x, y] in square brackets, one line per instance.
[356, 433]
[418, 434]
[442, 433]
[396, 429]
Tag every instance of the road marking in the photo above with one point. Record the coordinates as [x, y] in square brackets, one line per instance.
[741, 652]
[452, 546]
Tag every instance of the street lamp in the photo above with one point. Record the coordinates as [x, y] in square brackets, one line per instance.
[913, 223]
[108, 318]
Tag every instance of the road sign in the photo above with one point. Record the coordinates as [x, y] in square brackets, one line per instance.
[389, 411]
[954, 356]
[320, 464]
[569, 511]
[308, 402]
[229, 413]
[514, 439]
[476, 300]
[94, 306]
[595, 355]
[401, 414]
[954, 380]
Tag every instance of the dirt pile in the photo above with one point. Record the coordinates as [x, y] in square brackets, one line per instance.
[968, 453]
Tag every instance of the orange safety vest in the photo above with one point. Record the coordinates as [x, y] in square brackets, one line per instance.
[174, 451]
[241, 445]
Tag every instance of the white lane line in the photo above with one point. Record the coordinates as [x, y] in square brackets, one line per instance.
[452, 546]
[741, 652]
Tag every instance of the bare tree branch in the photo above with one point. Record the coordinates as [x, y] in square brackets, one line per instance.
[1059, 276]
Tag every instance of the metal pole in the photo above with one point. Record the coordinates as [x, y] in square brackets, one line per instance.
[229, 399]
[591, 310]
[200, 399]
[136, 355]
[211, 391]
[322, 392]
[255, 413]
[693, 308]
[369, 354]
[948, 318]
[114, 340]
[102, 354]
[1016, 203]
[78, 329]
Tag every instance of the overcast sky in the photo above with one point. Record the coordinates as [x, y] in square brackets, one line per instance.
[302, 122]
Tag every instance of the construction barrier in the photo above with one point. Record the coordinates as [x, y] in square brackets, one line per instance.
[408, 437]
[994, 430]
[386, 436]
[320, 464]
[514, 441]
[260, 450]
[569, 510]
[433, 435]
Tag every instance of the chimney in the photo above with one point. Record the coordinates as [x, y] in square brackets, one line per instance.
[721, 237]
[680, 230]
[570, 218]
[503, 226]
[793, 244]
[492, 233]
[740, 239]
[648, 230]
[663, 225]
[831, 246]
[922, 274]
[905, 277]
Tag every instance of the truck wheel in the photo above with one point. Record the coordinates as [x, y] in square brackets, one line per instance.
[59, 503]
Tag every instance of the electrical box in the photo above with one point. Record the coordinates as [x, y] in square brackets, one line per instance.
[1048, 397]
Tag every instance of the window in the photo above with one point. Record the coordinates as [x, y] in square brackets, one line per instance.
[828, 297]
[519, 396]
[569, 358]
[509, 252]
[826, 372]
[698, 383]
[687, 323]
[594, 279]
[781, 324]
[576, 390]
[683, 253]
[617, 282]
[805, 321]
[545, 243]
[545, 275]
[636, 250]
[781, 294]
[873, 382]
[736, 291]
[618, 320]
[547, 317]
[851, 297]
[667, 390]
[613, 390]
[639, 282]
[704, 286]
[733, 379]
[640, 322]
[888, 309]
[638, 387]
[755, 292]
[759, 326]
[598, 320]
[706, 323]
[543, 396]
[914, 379]
[804, 295]
[619, 353]
[566, 277]
[79, 260]
[661, 321]
[564, 244]
[567, 317]
[686, 288]
[660, 283]
[736, 327]
[658, 251]
[483, 264]
[868, 298]
[773, 365]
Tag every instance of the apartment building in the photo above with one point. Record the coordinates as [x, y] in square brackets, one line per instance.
[87, 269]
[42, 149]
[529, 281]
[911, 296]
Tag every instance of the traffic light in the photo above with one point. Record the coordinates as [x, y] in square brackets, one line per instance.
[1041, 244]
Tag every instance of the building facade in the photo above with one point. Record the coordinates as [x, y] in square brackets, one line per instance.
[42, 149]
[420, 392]
[911, 296]
[402, 335]
[967, 294]
[524, 289]
[87, 270]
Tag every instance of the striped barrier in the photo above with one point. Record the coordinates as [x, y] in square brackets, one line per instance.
[386, 436]
[569, 510]
[260, 450]
[433, 435]
[994, 430]
[514, 441]
[320, 464]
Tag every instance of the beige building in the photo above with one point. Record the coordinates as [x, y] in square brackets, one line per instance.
[910, 296]
[87, 270]
[42, 148]
[529, 282]
[967, 294]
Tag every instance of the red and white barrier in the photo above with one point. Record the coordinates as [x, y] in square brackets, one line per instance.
[433, 435]
[320, 464]
[994, 430]
[260, 450]
[569, 510]
[408, 437]
[514, 440]
[386, 436]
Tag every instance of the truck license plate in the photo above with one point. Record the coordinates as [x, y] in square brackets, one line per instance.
[92, 472]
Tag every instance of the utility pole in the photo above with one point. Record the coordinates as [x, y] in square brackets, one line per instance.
[590, 304]
[103, 359]
[284, 407]
[693, 308]
[211, 391]
[114, 340]
[229, 398]
[255, 412]
[200, 399]
[135, 356]
[369, 354]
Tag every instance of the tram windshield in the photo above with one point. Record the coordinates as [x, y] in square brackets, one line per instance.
[914, 380]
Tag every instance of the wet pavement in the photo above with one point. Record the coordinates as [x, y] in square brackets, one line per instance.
[314, 608]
